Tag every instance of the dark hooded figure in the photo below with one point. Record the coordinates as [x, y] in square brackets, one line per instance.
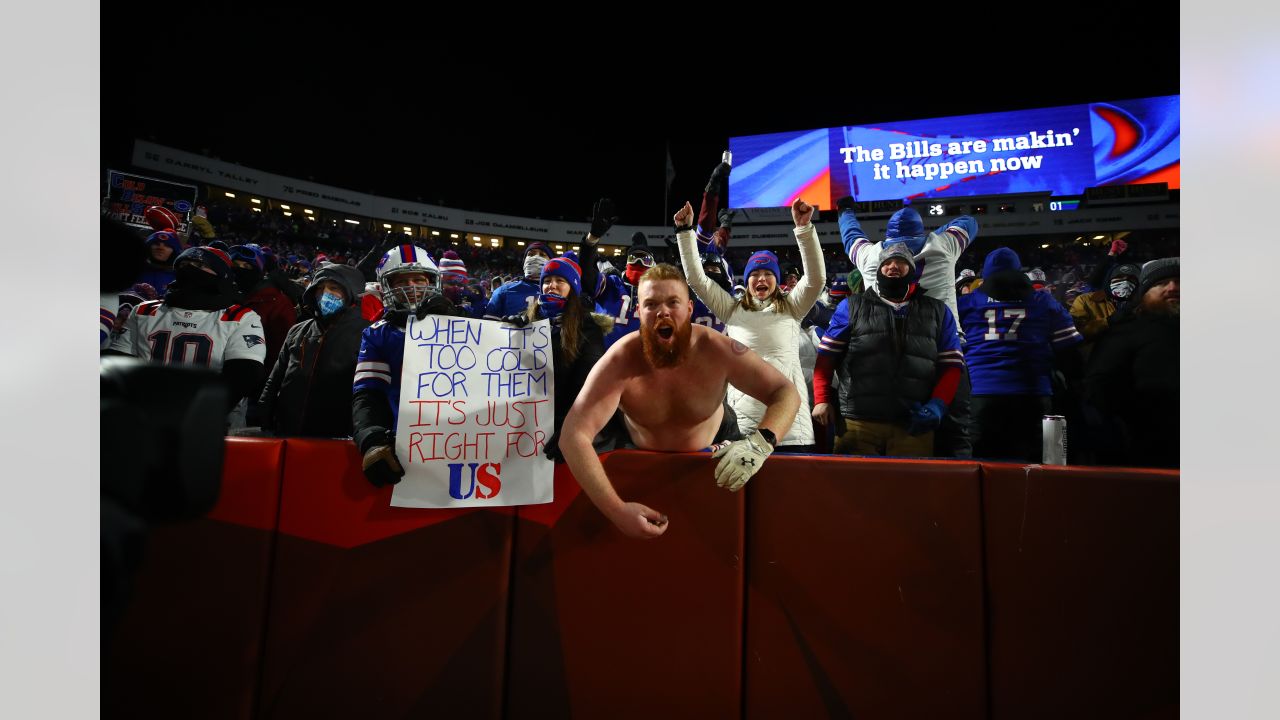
[1132, 383]
[309, 390]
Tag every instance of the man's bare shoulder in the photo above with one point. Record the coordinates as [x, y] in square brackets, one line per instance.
[622, 356]
[627, 346]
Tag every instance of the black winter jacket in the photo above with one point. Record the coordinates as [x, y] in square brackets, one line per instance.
[890, 363]
[309, 390]
[1131, 390]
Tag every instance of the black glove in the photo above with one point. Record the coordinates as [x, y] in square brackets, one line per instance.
[389, 241]
[845, 203]
[602, 217]
[435, 305]
[381, 467]
[518, 320]
[726, 217]
[718, 176]
[552, 448]
[396, 316]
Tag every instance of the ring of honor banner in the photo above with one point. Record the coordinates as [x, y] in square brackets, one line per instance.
[476, 410]
[128, 197]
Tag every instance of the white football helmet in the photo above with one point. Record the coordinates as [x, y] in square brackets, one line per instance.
[403, 260]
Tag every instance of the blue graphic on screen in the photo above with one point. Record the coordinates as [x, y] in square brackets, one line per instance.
[1136, 141]
[1061, 150]
[776, 166]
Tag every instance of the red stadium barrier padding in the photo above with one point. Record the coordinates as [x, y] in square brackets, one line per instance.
[1082, 568]
[830, 587]
[864, 589]
[190, 642]
[605, 626]
[380, 612]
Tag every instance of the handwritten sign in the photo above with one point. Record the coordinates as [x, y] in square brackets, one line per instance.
[475, 414]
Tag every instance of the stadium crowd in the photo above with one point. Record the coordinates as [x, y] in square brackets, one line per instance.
[925, 343]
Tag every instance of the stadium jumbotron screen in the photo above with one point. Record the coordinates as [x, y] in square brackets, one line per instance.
[1061, 150]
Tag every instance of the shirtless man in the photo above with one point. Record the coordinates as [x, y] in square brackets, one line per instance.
[669, 381]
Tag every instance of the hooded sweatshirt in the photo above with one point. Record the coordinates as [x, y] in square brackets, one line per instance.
[309, 389]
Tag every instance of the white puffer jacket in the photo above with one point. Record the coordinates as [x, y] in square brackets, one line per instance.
[773, 334]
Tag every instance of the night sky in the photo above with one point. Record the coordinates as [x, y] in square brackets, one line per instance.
[541, 129]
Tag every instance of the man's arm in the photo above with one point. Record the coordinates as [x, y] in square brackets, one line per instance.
[595, 405]
[275, 378]
[123, 343]
[587, 261]
[493, 311]
[851, 234]
[955, 237]
[716, 299]
[244, 358]
[1098, 278]
[369, 263]
[602, 218]
[831, 350]
[711, 202]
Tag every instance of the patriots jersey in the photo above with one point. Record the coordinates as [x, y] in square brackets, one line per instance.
[511, 299]
[379, 362]
[1009, 346]
[620, 299]
[206, 338]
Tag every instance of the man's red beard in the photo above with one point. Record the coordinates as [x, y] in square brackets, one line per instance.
[665, 354]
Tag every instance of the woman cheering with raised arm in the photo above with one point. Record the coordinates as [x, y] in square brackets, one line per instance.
[765, 318]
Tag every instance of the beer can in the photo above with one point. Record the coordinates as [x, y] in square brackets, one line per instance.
[1053, 440]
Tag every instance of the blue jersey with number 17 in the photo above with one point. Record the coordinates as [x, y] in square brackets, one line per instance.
[621, 300]
[1009, 345]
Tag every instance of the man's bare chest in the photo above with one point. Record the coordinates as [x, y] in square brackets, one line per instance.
[686, 398]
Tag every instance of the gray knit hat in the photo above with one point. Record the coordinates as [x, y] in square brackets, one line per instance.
[1156, 271]
[898, 249]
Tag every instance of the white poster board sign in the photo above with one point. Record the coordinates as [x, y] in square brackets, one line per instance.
[476, 410]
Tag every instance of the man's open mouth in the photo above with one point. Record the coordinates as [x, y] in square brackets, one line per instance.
[666, 331]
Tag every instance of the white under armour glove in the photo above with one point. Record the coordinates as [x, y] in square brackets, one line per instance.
[740, 459]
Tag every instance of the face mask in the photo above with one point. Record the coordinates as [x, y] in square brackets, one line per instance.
[892, 288]
[551, 305]
[330, 304]
[716, 273]
[634, 272]
[1121, 289]
[193, 277]
[246, 278]
[533, 265]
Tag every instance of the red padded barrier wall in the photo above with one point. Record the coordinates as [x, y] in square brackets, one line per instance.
[609, 627]
[1082, 570]
[381, 612]
[189, 644]
[862, 581]
[864, 589]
